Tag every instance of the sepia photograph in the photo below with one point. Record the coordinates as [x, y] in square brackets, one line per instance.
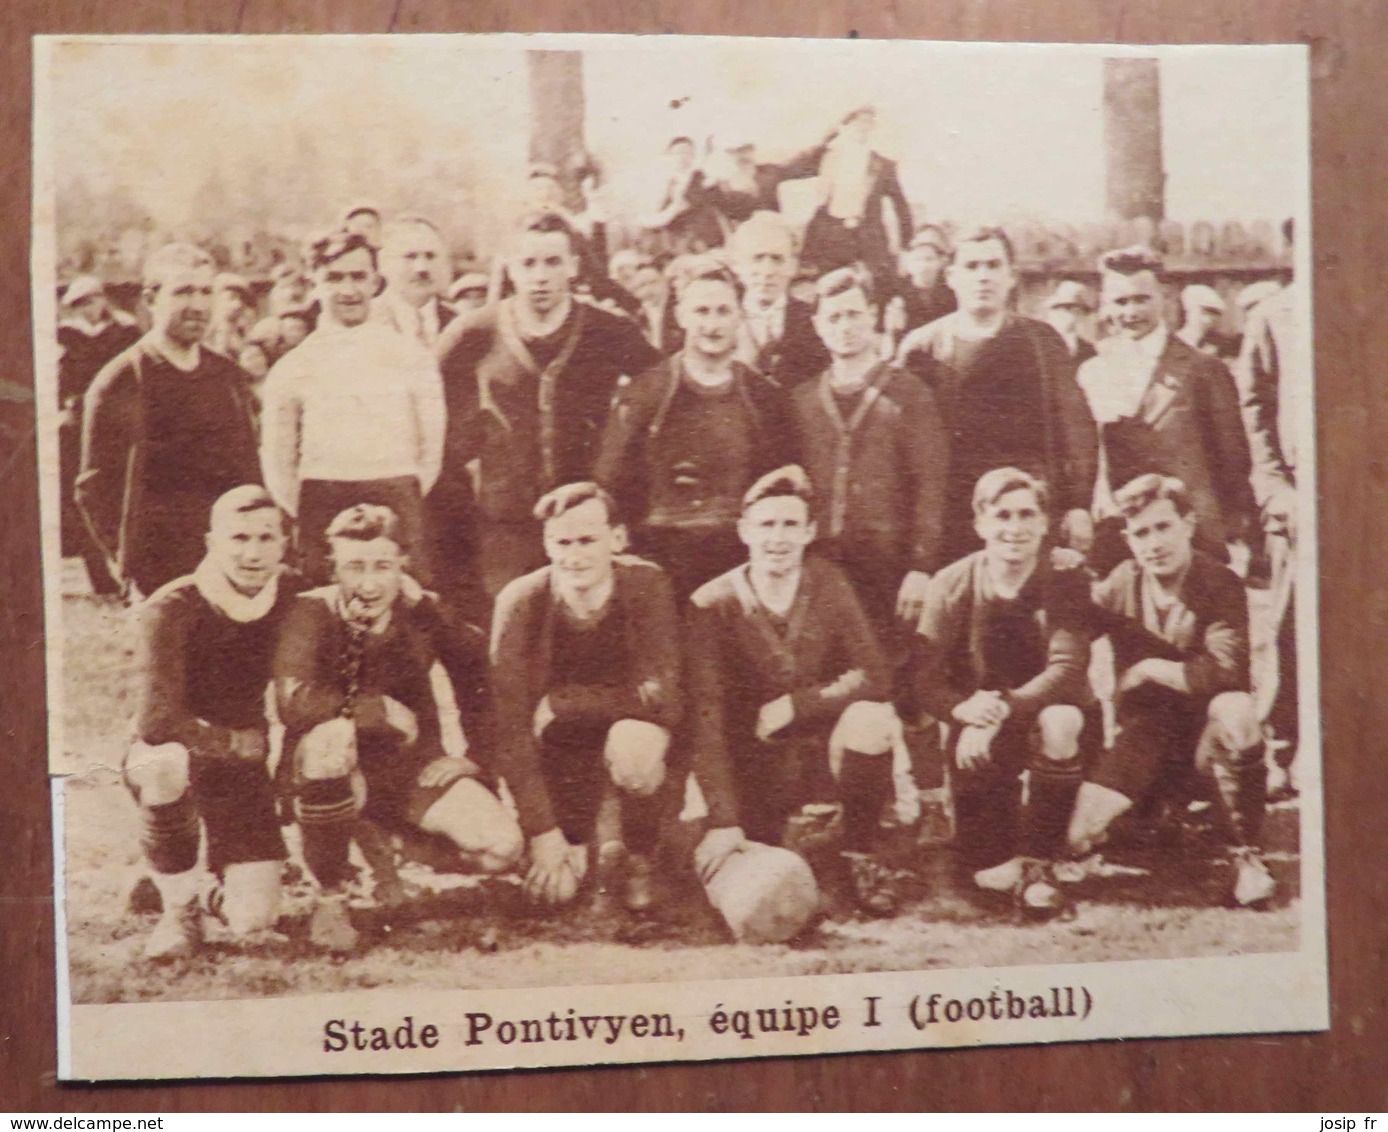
[579, 549]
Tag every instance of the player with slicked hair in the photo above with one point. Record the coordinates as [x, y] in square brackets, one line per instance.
[1178, 620]
[1004, 652]
[586, 667]
[198, 760]
[362, 729]
[787, 694]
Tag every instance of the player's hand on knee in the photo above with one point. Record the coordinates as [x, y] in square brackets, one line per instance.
[975, 747]
[635, 755]
[402, 719]
[910, 598]
[556, 868]
[774, 716]
[447, 770]
[982, 709]
[716, 846]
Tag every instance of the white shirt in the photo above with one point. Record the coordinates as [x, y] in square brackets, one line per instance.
[760, 327]
[349, 404]
[1116, 379]
[421, 323]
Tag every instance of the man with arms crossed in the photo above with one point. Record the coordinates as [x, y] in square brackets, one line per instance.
[206, 644]
[1004, 656]
[362, 731]
[586, 666]
[528, 381]
[1178, 621]
[787, 691]
[353, 415]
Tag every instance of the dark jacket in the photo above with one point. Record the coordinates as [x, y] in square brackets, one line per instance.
[521, 651]
[531, 428]
[1216, 656]
[113, 488]
[872, 244]
[879, 473]
[799, 354]
[1051, 432]
[737, 660]
[651, 477]
[1188, 426]
[949, 632]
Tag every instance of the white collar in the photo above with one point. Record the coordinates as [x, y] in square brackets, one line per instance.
[219, 593]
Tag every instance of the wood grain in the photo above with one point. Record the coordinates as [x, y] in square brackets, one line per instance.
[1340, 1071]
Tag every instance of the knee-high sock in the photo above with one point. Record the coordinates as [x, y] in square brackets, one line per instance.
[1050, 801]
[1242, 779]
[865, 784]
[169, 835]
[986, 802]
[327, 816]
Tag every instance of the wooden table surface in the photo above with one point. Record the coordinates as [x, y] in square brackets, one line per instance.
[1343, 1070]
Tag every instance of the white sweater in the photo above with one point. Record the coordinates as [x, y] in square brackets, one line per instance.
[350, 404]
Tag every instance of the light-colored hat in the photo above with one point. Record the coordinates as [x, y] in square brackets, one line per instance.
[1070, 293]
[1197, 296]
[467, 281]
[82, 288]
[1255, 293]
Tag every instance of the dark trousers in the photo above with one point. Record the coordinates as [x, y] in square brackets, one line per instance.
[321, 501]
[576, 776]
[234, 802]
[1281, 715]
[994, 820]
[1164, 739]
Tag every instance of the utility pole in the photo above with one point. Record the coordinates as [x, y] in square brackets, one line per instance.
[557, 112]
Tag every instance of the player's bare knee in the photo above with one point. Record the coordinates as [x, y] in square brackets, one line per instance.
[159, 773]
[1236, 715]
[1060, 726]
[251, 896]
[635, 755]
[864, 728]
[327, 751]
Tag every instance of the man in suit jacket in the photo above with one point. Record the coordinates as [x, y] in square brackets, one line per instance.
[778, 337]
[1163, 406]
[1069, 306]
[415, 267]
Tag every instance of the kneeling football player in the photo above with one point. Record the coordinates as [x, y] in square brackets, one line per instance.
[198, 762]
[1178, 621]
[362, 731]
[787, 694]
[1004, 648]
[586, 666]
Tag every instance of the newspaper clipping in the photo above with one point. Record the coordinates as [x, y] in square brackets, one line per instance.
[580, 549]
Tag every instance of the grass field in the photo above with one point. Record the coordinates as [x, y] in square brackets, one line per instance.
[467, 933]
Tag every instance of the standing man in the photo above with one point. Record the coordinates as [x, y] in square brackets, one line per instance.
[1068, 308]
[787, 694]
[921, 295]
[1005, 387]
[778, 337]
[168, 428]
[1004, 647]
[288, 297]
[1273, 392]
[1163, 406]
[686, 439]
[414, 264]
[1203, 310]
[877, 455]
[354, 415]
[362, 730]
[586, 667]
[233, 313]
[198, 760]
[1178, 621]
[528, 381]
[90, 333]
